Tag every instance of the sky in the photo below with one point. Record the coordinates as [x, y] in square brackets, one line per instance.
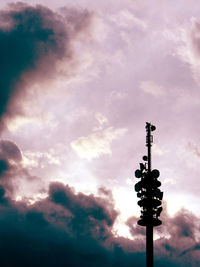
[79, 80]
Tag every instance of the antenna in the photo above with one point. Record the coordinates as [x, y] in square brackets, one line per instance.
[149, 194]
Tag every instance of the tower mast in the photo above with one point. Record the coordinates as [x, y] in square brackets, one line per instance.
[149, 194]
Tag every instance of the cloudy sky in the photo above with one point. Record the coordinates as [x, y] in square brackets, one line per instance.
[79, 80]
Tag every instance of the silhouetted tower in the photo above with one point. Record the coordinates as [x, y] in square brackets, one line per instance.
[149, 194]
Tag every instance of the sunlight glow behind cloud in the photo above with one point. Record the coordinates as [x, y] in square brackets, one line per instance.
[97, 144]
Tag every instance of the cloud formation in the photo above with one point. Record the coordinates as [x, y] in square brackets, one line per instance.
[12, 167]
[74, 229]
[33, 40]
[64, 229]
[68, 228]
[96, 144]
[152, 88]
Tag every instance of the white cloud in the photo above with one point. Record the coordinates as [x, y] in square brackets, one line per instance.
[169, 181]
[40, 159]
[97, 144]
[153, 88]
[102, 121]
[189, 50]
[118, 95]
[101, 118]
[191, 151]
[158, 150]
[126, 19]
[19, 122]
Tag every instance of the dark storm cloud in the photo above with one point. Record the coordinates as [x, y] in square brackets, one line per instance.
[82, 204]
[180, 234]
[74, 229]
[196, 247]
[133, 227]
[10, 151]
[178, 238]
[11, 167]
[33, 39]
[65, 229]
[10, 158]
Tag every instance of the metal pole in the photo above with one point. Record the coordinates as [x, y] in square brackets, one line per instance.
[149, 245]
[148, 144]
[149, 227]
